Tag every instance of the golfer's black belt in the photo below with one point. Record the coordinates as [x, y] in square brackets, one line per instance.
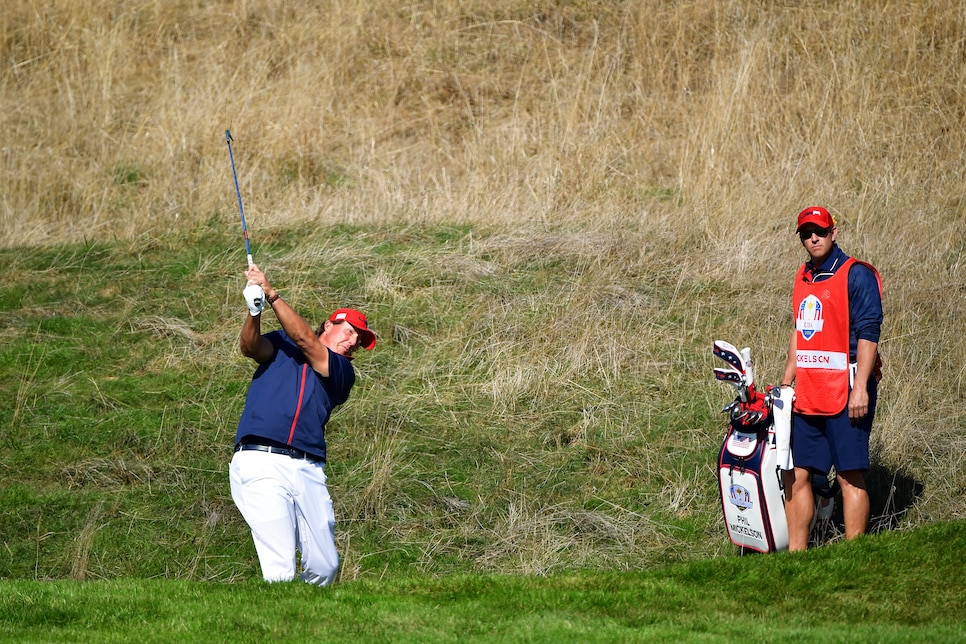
[285, 451]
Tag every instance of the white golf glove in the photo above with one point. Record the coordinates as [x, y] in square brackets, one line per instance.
[255, 298]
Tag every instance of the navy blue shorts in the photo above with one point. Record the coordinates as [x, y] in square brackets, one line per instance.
[819, 442]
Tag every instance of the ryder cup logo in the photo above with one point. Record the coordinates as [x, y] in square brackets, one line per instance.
[741, 498]
[809, 321]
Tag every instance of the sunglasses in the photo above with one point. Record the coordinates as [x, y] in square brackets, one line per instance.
[821, 232]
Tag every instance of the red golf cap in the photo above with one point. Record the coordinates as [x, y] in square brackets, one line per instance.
[815, 215]
[358, 321]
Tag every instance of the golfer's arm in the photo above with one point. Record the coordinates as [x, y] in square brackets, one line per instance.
[251, 342]
[300, 332]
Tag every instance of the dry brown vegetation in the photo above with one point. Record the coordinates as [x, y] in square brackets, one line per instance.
[672, 138]
[710, 121]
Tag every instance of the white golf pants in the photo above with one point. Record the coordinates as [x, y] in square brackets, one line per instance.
[287, 505]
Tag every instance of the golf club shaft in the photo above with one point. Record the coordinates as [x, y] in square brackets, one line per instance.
[241, 209]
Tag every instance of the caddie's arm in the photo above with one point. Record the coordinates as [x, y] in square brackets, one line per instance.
[788, 377]
[294, 324]
[865, 352]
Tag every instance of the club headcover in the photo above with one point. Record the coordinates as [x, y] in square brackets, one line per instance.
[730, 354]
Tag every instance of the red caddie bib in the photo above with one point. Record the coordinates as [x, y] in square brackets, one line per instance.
[821, 312]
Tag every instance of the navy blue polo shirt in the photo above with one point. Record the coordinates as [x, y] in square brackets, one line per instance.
[865, 301]
[289, 403]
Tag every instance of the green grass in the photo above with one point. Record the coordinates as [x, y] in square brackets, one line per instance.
[529, 452]
[897, 587]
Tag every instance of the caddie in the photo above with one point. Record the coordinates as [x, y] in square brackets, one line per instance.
[833, 363]
[277, 473]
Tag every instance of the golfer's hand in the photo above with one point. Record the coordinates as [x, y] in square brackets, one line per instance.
[254, 275]
[254, 298]
[255, 290]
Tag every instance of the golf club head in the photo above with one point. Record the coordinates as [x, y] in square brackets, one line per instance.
[736, 414]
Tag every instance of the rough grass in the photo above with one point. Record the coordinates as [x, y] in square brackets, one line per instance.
[508, 422]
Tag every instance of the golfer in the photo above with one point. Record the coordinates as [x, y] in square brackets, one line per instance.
[277, 473]
[833, 361]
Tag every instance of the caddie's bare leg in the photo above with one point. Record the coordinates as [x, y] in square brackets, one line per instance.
[855, 503]
[799, 507]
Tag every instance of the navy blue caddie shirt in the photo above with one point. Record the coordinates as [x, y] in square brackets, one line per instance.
[865, 302]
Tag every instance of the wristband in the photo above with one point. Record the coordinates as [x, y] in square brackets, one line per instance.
[271, 299]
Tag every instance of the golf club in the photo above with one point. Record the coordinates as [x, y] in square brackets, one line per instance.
[241, 209]
[729, 354]
[254, 296]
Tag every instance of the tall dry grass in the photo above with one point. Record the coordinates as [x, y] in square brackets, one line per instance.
[712, 122]
[677, 139]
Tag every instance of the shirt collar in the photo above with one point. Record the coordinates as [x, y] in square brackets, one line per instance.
[831, 264]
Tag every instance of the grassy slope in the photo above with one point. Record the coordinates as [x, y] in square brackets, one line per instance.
[453, 456]
[899, 587]
[127, 385]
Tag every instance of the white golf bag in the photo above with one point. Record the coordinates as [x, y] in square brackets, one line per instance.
[756, 449]
[752, 490]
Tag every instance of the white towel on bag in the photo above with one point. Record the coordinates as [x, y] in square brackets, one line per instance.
[782, 418]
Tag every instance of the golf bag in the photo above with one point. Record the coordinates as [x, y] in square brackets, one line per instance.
[756, 449]
[749, 478]
[752, 490]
